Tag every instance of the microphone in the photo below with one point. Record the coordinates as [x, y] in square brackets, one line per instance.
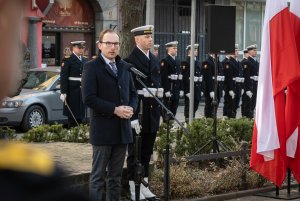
[137, 72]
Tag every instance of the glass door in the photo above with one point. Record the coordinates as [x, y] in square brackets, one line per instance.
[50, 56]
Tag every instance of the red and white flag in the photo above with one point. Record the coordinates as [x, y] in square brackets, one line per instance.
[278, 56]
[293, 100]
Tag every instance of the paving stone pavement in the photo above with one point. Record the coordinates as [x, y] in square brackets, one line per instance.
[76, 158]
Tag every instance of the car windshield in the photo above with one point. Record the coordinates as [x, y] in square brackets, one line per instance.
[40, 80]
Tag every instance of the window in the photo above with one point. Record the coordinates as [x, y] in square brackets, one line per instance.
[249, 21]
[253, 23]
[239, 25]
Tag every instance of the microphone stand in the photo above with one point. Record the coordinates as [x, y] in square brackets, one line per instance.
[215, 142]
[138, 176]
[139, 169]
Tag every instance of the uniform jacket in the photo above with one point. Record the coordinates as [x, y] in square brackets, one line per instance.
[231, 70]
[169, 66]
[208, 71]
[72, 67]
[250, 68]
[102, 91]
[150, 113]
[185, 65]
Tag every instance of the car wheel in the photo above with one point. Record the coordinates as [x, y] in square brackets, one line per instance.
[34, 116]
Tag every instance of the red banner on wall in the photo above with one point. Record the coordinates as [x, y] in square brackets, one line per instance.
[68, 13]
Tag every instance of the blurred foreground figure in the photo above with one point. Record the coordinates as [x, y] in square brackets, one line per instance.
[10, 14]
[26, 174]
[30, 174]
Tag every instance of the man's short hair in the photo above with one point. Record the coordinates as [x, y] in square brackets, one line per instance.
[101, 35]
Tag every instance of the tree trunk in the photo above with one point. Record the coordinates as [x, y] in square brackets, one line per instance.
[132, 14]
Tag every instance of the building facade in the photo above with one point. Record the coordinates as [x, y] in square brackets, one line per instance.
[52, 24]
[173, 22]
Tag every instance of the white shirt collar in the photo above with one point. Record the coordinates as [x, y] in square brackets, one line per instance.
[107, 61]
[147, 54]
[79, 57]
[173, 57]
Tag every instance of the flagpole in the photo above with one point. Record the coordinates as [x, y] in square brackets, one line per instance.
[192, 61]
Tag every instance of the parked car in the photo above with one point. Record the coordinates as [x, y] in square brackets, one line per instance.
[37, 104]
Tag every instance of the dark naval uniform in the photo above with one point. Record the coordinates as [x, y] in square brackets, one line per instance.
[70, 84]
[208, 72]
[254, 77]
[239, 80]
[231, 72]
[248, 86]
[250, 73]
[223, 63]
[171, 80]
[185, 65]
[148, 108]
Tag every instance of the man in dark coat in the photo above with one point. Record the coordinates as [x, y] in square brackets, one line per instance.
[208, 71]
[250, 73]
[185, 65]
[223, 62]
[148, 108]
[108, 90]
[231, 73]
[171, 78]
[156, 50]
[254, 67]
[70, 84]
[239, 84]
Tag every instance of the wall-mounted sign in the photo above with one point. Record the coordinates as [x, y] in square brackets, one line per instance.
[68, 13]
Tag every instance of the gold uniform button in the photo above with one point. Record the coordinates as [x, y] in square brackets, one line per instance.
[152, 84]
[151, 106]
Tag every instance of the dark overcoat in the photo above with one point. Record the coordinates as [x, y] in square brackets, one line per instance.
[102, 91]
[72, 67]
[151, 110]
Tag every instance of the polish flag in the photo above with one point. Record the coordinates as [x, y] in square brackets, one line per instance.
[278, 57]
[293, 100]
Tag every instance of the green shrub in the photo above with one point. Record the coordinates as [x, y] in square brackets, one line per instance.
[78, 134]
[37, 134]
[7, 133]
[231, 132]
[56, 133]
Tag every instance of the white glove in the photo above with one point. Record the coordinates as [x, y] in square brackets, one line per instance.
[201, 93]
[249, 93]
[223, 93]
[168, 94]
[136, 126]
[181, 93]
[187, 95]
[232, 94]
[242, 91]
[211, 94]
[63, 97]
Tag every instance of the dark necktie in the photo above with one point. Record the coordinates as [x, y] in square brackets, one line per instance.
[114, 68]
